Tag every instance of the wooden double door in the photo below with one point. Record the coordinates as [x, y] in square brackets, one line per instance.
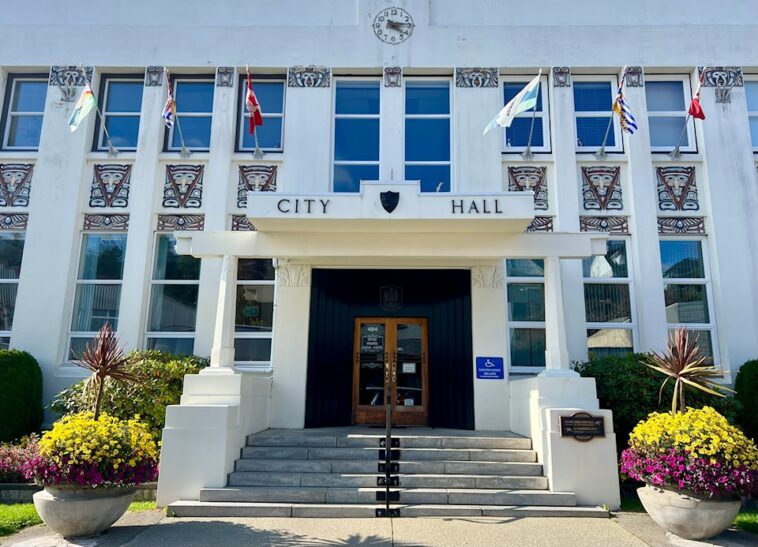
[390, 358]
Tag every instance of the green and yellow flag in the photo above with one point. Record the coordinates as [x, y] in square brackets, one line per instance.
[85, 103]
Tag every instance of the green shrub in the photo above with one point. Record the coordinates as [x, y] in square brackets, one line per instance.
[630, 390]
[161, 378]
[20, 394]
[746, 385]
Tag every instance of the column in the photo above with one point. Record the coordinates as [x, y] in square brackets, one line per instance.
[391, 109]
[222, 351]
[556, 341]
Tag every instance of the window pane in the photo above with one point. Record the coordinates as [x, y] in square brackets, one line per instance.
[513, 88]
[525, 267]
[607, 342]
[347, 178]
[754, 130]
[686, 304]
[196, 132]
[526, 302]
[664, 96]
[173, 308]
[427, 139]
[612, 264]
[252, 349]
[518, 133]
[255, 308]
[95, 305]
[682, 259]
[76, 349]
[356, 139]
[102, 257]
[24, 131]
[169, 265]
[5, 342]
[607, 303]
[123, 131]
[751, 95]
[270, 96]
[29, 96]
[434, 178]
[704, 341]
[177, 346]
[7, 304]
[357, 98]
[124, 96]
[591, 131]
[592, 96]
[665, 131]
[427, 97]
[269, 134]
[11, 253]
[255, 269]
[527, 347]
[194, 97]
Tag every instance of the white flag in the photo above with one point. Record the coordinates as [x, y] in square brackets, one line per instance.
[525, 100]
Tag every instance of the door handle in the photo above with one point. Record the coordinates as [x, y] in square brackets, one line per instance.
[394, 368]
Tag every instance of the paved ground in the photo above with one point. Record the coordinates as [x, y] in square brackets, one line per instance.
[152, 529]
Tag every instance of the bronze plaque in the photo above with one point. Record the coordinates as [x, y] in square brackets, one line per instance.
[582, 426]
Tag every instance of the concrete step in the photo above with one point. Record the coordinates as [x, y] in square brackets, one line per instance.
[372, 441]
[243, 478]
[406, 454]
[252, 509]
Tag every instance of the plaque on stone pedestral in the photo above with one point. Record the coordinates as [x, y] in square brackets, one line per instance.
[582, 426]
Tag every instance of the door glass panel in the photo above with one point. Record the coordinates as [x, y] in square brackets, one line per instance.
[409, 365]
[372, 346]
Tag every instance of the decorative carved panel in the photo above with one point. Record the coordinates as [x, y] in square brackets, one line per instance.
[225, 76]
[540, 224]
[476, 77]
[634, 76]
[530, 178]
[488, 277]
[601, 188]
[170, 223]
[14, 221]
[677, 189]
[681, 225]
[561, 76]
[293, 275]
[240, 223]
[309, 76]
[612, 225]
[15, 184]
[106, 223]
[393, 76]
[68, 78]
[110, 185]
[153, 76]
[723, 79]
[255, 178]
[183, 187]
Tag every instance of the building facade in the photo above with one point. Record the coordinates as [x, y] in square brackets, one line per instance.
[368, 216]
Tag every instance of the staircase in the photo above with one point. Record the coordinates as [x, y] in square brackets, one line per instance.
[339, 472]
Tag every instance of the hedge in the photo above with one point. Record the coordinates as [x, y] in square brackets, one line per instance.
[20, 395]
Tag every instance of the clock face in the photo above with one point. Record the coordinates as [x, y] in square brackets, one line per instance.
[393, 25]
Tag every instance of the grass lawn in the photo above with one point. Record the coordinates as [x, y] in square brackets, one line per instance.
[15, 516]
[747, 520]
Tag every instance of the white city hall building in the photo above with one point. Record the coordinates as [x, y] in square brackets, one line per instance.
[369, 240]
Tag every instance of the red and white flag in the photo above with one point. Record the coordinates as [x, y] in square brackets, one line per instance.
[696, 111]
[251, 102]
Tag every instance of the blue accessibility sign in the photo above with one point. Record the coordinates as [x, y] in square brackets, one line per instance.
[490, 368]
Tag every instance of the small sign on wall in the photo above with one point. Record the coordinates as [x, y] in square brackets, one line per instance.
[582, 426]
[490, 368]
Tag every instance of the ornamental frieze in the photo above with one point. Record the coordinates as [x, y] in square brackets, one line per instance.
[68, 78]
[488, 277]
[609, 224]
[677, 188]
[723, 79]
[393, 76]
[634, 77]
[13, 221]
[309, 76]
[601, 188]
[561, 76]
[171, 223]
[524, 178]
[153, 76]
[110, 185]
[255, 178]
[476, 77]
[183, 187]
[681, 225]
[225, 76]
[540, 224]
[15, 184]
[106, 223]
[240, 223]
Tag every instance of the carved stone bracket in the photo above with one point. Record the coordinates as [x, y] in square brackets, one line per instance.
[561, 76]
[293, 275]
[106, 223]
[681, 225]
[612, 225]
[170, 223]
[13, 221]
[634, 76]
[723, 79]
[240, 223]
[540, 224]
[68, 78]
[488, 277]
[153, 76]
[393, 76]
[309, 76]
[476, 77]
[225, 76]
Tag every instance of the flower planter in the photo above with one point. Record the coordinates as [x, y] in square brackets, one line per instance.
[74, 511]
[687, 516]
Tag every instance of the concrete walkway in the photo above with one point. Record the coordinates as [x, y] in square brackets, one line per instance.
[152, 529]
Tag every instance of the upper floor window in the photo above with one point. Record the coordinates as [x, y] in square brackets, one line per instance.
[517, 135]
[194, 113]
[668, 100]
[593, 100]
[427, 133]
[270, 95]
[121, 100]
[751, 94]
[356, 133]
[24, 108]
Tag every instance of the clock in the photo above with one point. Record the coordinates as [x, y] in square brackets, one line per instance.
[393, 25]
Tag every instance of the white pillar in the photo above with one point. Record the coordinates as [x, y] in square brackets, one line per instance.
[222, 352]
[556, 343]
[391, 152]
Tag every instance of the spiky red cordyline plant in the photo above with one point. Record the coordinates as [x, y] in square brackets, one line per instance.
[684, 362]
[106, 359]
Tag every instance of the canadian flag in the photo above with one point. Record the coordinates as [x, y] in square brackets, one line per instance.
[696, 111]
[251, 102]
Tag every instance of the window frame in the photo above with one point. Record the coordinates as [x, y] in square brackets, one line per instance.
[618, 147]
[242, 114]
[540, 325]
[10, 86]
[13, 281]
[687, 93]
[102, 101]
[257, 366]
[544, 115]
[168, 133]
[752, 78]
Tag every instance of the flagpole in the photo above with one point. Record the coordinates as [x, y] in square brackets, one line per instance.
[257, 152]
[675, 154]
[112, 150]
[600, 154]
[527, 153]
[184, 152]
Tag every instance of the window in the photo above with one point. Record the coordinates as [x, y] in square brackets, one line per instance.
[593, 99]
[254, 315]
[751, 94]
[608, 302]
[427, 134]
[173, 299]
[667, 105]
[356, 134]
[517, 135]
[194, 112]
[98, 288]
[24, 108]
[11, 253]
[270, 95]
[686, 289]
[121, 100]
[525, 292]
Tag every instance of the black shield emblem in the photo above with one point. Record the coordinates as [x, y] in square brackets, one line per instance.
[390, 298]
[389, 200]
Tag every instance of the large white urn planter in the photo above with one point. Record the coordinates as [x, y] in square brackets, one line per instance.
[77, 511]
[687, 516]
